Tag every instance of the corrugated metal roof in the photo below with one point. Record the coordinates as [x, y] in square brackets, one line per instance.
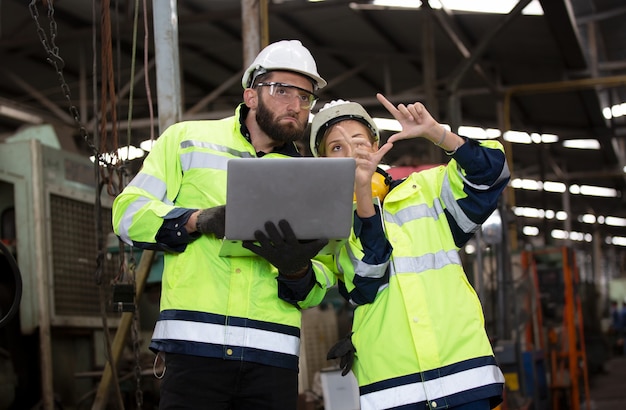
[479, 61]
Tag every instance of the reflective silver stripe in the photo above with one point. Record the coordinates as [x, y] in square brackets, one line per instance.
[215, 147]
[400, 265]
[455, 210]
[466, 181]
[127, 218]
[322, 268]
[411, 213]
[505, 174]
[152, 185]
[452, 205]
[366, 270]
[196, 159]
[433, 389]
[226, 335]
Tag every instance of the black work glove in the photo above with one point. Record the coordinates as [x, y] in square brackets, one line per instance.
[285, 252]
[212, 221]
[345, 350]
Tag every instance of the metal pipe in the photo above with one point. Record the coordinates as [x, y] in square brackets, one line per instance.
[484, 43]
[250, 30]
[165, 16]
[571, 85]
[42, 275]
[170, 111]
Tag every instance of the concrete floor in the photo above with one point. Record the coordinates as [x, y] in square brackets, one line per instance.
[608, 389]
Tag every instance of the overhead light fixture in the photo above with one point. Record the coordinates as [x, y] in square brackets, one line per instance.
[473, 132]
[549, 138]
[587, 218]
[518, 137]
[559, 187]
[582, 144]
[590, 190]
[573, 235]
[618, 110]
[476, 6]
[404, 4]
[550, 186]
[530, 230]
[123, 153]
[617, 240]
[521, 137]
[528, 184]
[561, 216]
[615, 221]
[528, 212]
[147, 145]
[490, 6]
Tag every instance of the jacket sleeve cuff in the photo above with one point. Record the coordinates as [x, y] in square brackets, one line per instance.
[172, 236]
[296, 290]
[370, 231]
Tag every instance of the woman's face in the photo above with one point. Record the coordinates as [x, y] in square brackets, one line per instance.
[336, 143]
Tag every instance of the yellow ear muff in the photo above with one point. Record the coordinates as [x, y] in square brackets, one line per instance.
[380, 186]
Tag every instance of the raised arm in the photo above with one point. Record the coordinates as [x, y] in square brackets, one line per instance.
[417, 122]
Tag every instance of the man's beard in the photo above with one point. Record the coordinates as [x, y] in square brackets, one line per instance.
[278, 132]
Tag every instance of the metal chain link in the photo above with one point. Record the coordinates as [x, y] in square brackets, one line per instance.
[57, 62]
[138, 390]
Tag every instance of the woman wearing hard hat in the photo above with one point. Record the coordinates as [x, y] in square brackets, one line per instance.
[418, 338]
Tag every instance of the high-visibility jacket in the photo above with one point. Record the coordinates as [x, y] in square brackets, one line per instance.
[221, 307]
[422, 342]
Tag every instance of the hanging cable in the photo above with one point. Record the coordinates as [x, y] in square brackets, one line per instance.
[135, 324]
[54, 58]
[146, 68]
[108, 95]
[107, 164]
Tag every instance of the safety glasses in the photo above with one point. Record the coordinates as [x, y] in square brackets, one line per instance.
[285, 93]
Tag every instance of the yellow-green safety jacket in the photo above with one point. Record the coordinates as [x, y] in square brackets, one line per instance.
[422, 342]
[221, 307]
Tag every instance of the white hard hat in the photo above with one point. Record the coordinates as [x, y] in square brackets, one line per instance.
[334, 112]
[287, 55]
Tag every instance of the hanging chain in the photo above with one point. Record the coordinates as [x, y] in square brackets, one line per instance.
[136, 346]
[57, 62]
[135, 332]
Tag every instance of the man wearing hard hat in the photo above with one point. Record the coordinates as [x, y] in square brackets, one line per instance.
[229, 328]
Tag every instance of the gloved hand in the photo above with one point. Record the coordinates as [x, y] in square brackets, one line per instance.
[212, 221]
[345, 350]
[285, 252]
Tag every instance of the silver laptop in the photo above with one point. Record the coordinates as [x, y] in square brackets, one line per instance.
[313, 194]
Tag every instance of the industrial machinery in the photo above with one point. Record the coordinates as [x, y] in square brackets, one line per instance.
[56, 342]
[557, 326]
